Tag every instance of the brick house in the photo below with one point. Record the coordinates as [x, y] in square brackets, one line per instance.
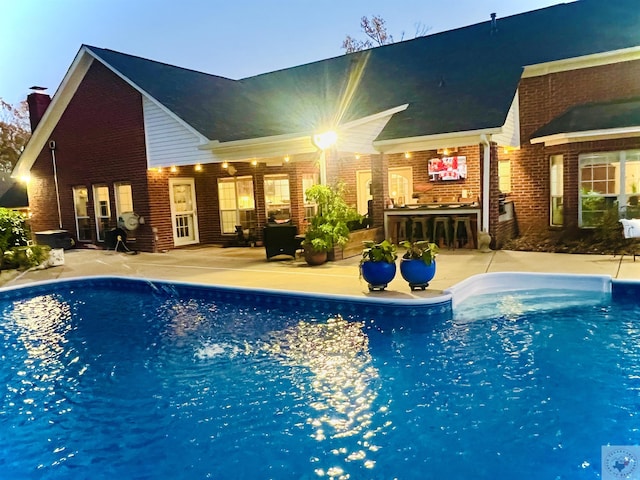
[541, 121]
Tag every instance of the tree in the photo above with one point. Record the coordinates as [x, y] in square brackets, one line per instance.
[376, 29]
[14, 133]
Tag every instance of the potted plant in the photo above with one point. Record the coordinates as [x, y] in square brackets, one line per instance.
[418, 263]
[329, 226]
[378, 264]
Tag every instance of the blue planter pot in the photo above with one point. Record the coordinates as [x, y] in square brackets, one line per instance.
[417, 273]
[378, 274]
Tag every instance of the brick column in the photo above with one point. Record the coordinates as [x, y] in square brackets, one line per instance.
[379, 188]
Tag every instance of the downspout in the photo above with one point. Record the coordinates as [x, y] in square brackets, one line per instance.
[52, 147]
[486, 169]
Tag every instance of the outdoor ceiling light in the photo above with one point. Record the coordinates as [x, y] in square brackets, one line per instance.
[325, 140]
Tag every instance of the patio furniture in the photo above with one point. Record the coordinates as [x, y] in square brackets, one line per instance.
[281, 240]
[464, 222]
[438, 234]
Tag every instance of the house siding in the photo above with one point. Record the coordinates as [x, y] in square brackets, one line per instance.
[542, 99]
[169, 142]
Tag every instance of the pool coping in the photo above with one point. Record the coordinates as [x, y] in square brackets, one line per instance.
[438, 306]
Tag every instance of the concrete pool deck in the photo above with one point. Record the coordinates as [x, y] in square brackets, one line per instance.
[247, 267]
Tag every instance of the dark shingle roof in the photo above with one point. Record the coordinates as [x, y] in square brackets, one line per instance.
[15, 196]
[459, 80]
[594, 116]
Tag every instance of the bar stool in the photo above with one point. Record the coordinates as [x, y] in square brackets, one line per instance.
[465, 222]
[420, 222]
[402, 229]
[442, 222]
[398, 228]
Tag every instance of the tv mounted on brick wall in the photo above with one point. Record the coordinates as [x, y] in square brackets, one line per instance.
[447, 168]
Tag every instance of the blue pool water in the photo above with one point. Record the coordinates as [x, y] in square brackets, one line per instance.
[145, 381]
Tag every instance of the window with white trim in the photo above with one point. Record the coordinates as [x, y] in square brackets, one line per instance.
[277, 198]
[124, 198]
[237, 204]
[556, 176]
[81, 206]
[124, 203]
[102, 210]
[607, 180]
[504, 175]
[401, 185]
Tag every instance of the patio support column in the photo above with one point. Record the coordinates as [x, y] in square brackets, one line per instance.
[379, 188]
[331, 166]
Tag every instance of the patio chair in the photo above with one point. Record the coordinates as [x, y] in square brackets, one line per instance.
[280, 240]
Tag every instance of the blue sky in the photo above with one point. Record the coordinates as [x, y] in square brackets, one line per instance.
[231, 38]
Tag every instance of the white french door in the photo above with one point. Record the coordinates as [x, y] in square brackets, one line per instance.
[184, 211]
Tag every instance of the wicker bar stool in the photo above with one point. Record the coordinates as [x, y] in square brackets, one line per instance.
[444, 224]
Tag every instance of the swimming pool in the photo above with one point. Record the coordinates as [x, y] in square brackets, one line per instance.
[111, 377]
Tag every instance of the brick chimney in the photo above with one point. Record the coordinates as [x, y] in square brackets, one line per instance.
[38, 102]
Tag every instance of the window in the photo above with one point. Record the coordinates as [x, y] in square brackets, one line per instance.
[237, 204]
[81, 205]
[124, 198]
[308, 181]
[607, 180]
[556, 189]
[124, 202]
[276, 196]
[400, 185]
[504, 176]
[102, 210]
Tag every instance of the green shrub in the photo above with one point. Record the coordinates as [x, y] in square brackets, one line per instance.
[23, 258]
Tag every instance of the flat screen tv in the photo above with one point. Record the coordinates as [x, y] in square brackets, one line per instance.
[448, 168]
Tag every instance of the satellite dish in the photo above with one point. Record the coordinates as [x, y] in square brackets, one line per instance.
[129, 220]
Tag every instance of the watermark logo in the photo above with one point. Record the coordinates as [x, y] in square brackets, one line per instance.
[620, 461]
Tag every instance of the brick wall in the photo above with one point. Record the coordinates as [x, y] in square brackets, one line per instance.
[99, 141]
[541, 100]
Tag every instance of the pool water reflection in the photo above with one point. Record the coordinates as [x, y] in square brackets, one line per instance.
[153, 381]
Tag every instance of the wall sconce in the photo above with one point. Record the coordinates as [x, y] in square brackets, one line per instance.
[407, 154]
[357, 156]
[254, 162]
[198, 167]
[225, 165]
[286, 159]
[173, 169]
[447, 151]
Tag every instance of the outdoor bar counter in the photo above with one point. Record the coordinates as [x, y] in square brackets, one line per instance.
[429, 211]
